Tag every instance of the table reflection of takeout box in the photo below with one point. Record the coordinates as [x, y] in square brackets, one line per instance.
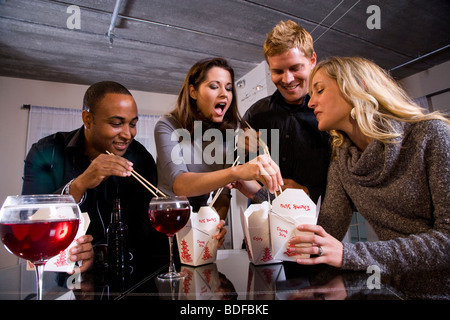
[200, 283]
[262, 281]
[289, 210]
[255, 225]
[195, 243]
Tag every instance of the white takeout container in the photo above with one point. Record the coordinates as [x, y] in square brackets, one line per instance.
[290, 209]
[255, 225]
[195, 243]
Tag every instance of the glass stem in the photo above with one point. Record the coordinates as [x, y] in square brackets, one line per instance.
[171, 263]
[39, 276]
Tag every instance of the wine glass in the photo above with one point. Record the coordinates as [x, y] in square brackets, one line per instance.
[169, 215]
[38, 227]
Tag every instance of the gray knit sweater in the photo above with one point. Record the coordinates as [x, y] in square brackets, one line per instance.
[403, 191]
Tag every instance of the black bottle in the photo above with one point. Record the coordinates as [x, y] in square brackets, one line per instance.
[117, 238]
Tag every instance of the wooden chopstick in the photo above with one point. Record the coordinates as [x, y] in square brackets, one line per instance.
[264, 145]
[143, 181]
[220, 189]
[266, 151]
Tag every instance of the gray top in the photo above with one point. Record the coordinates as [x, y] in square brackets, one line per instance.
[178, 152]
[403, 191]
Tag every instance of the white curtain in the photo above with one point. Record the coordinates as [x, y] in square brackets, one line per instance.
[145, 132]
[44, 121]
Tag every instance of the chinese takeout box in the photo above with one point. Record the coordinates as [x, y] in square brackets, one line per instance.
[255, 225]
[290, 209]
[195, 243]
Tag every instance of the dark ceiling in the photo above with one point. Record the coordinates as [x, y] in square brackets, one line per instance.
[156, 41]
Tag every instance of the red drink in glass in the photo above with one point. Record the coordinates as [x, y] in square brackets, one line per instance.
[40, 240]
[38, 227]
[169, 221]
[168, 215]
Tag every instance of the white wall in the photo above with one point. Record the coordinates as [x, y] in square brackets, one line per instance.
[14, 93]
[428, 82]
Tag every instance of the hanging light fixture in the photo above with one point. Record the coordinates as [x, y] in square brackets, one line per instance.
[110, 33]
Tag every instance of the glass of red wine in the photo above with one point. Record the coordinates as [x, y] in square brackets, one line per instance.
[169, 215]
[38, 227]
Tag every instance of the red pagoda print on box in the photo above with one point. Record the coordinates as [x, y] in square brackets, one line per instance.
[267, 256]
[206, 254]
[184, 254]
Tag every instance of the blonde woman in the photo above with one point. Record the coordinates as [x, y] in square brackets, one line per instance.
[391, 162]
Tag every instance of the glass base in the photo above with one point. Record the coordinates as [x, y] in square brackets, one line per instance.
[172, 276]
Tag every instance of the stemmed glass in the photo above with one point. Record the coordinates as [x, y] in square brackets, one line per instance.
[38, 227]
[169, 215]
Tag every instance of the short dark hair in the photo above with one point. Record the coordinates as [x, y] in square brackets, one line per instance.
[98, 90]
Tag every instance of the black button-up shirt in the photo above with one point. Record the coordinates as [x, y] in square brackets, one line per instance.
[299, 148]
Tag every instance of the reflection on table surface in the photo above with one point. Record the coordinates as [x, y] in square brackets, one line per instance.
[231, 277]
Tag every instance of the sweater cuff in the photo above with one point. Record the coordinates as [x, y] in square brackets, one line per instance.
[261, 196]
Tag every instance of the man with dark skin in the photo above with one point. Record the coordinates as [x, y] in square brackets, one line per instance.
[76, 163]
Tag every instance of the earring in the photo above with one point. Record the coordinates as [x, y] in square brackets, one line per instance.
[352, 114]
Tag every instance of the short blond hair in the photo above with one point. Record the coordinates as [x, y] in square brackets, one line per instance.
[287, 35]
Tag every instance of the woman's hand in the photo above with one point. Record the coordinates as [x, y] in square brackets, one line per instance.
[263, 169]
[221, 235]
[247, 188]
[318, 242]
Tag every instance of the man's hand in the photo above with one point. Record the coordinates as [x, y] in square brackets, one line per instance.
[83, 252]
[291, 184]
[100, 168]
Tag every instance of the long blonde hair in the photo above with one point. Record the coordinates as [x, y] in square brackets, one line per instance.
[376, 98]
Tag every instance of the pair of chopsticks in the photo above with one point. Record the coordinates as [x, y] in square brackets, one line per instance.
[264, 145]
[143, 181]
[220, 189]
[266, 151]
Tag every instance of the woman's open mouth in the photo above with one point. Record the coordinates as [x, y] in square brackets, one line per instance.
[220, 108]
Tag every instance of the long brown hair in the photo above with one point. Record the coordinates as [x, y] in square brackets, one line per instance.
[186, 111]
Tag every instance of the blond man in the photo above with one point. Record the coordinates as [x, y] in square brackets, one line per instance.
[304, 151]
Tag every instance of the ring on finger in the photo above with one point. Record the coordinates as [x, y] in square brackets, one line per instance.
[320, 251]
